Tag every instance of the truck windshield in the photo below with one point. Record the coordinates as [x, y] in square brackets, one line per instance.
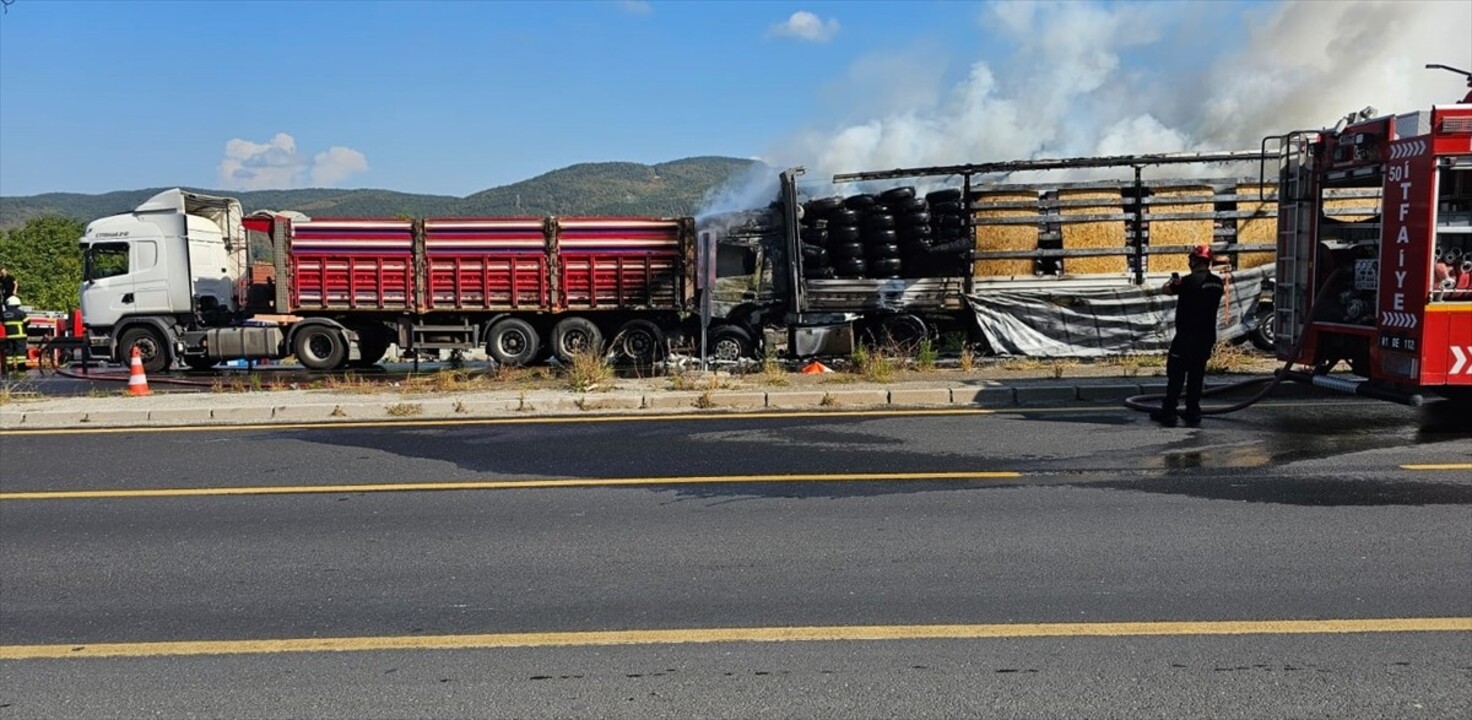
[107, 260]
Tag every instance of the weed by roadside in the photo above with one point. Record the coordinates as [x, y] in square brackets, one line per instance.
[405, 409]
[968, 359]
[873, 364]
[1229, 358]
[588, 371]
[772, 372]
[926, 355]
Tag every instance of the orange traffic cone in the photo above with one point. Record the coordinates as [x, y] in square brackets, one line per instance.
[137, 381]
[815, 368]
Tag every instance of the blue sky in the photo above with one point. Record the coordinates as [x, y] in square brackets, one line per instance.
[455, 97]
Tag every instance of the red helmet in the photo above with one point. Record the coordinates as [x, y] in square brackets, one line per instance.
[1201, 251]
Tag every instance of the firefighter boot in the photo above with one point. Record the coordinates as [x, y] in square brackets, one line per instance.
[1166, 418]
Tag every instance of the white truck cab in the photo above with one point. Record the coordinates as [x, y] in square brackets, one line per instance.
[148, 273]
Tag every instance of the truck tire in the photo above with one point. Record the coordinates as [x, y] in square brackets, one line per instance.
[859, 202]
[372, 344]
[846, 250]
[941, 196]
[879, 221]
[573, 335]
[882, 251]
[512, 342]
[895, 195]
[888, 267]
[913, 205]
[152, 348]
[639, 341]
[319, 347]
[730, 343]
[1261, 335]
[843, 234]
[915, 219]
[951, 207]
[881, 237]
[903, 332]
[842, 216]
[851, 267]
[823, 206]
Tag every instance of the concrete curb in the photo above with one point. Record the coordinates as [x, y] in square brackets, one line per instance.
[311, 407]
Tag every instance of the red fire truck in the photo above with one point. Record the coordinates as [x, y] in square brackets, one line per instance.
[1389, 290]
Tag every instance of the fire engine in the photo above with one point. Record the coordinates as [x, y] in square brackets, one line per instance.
[1386, 290]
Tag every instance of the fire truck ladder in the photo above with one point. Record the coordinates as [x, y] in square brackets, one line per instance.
[1295, 220]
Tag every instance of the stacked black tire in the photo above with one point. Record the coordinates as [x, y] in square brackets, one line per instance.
[952, 244]
[889, 235]
[817, 261]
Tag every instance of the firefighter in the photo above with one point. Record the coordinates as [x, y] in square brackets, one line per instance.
[14, 342]
[1200, 295]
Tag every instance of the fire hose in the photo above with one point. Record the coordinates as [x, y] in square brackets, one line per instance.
[1150, 402]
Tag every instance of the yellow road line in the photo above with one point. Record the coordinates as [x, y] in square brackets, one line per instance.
[1444, 466]
[505, 485]
[545, 420]
[742, 635]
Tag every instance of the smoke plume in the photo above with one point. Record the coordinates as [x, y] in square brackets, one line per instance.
[1093, 79]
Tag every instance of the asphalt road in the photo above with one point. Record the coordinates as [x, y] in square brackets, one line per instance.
[935, 588]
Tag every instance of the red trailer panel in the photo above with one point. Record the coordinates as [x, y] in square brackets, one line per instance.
[610, 263]
[342, 264]
[487, 264]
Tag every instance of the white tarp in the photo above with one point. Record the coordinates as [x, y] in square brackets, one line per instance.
[1099, 322]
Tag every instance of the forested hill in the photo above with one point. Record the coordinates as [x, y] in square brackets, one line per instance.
[614, 188]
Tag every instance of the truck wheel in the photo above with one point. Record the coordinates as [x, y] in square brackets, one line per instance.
[902, 332]
[319, 347]
[151, 348]
[513, 342]
[1262, 335]
[730, 343]
[573, 335]
[640, 341]
[372, 344]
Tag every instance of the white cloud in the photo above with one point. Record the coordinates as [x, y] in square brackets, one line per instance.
[337, 164]
[277, 165]
[804, 25]
[635, 7]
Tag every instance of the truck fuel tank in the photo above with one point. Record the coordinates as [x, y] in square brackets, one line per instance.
[237, 342]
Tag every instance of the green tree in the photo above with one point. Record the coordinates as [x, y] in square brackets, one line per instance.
[45, 259]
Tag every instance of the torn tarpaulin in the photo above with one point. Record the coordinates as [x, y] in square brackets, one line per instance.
[1102, 321]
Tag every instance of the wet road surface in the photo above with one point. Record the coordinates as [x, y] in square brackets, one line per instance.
[1346, 511]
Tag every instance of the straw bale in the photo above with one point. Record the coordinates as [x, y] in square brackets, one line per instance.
[1110, 233]
[1368, 207]
[1178, 232]
[1252, 231]
[1006, 237]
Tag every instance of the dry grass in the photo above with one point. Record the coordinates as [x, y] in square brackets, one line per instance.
[1132, 365]
[704, 402]
[405, 409]
[874, 364]
[588, 370]
[828, 400]
[1229, 358]
[772, 372]
[968, 359]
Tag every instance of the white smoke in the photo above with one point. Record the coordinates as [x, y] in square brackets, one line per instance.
[1075, 86]
[277, 165]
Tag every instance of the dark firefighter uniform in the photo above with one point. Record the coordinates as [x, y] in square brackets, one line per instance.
[1200, 297]
[14, 343]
